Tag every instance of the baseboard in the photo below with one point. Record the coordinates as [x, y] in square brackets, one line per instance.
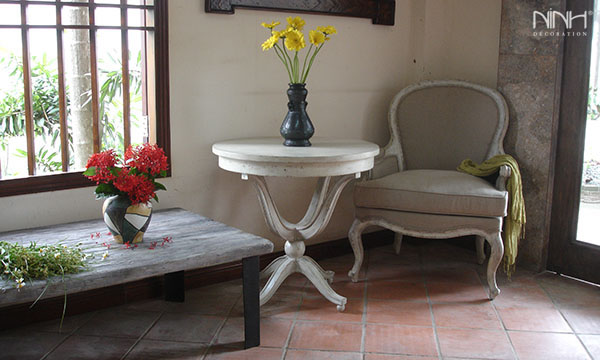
[48, 309]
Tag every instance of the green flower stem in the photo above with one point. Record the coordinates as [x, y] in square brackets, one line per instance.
[296, 68]
[311, 62]
[284, 57]
[306, 57]
[289, 62]
[62, 318]
[283, 60]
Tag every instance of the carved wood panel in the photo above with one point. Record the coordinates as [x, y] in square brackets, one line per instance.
[380, 11]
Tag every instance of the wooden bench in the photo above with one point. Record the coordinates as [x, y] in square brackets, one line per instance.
[176, 240]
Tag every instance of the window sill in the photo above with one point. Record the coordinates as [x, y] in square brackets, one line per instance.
[43, 183]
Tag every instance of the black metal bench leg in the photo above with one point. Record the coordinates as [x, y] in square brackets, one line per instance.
[174, 286]
[250, 271]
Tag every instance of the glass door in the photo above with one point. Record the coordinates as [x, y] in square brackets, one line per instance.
[574, 247]
[588, 225]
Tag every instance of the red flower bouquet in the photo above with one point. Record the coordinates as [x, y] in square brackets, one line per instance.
[134, 176]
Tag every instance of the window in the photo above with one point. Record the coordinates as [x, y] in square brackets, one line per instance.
[78, 77]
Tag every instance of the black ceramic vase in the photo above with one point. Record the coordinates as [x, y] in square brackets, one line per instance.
[296, 128]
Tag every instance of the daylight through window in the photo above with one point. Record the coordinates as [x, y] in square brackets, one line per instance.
[78, 77]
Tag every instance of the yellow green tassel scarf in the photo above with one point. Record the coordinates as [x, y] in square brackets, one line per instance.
[514, 225]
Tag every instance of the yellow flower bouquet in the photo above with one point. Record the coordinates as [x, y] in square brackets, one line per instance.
[292, 40]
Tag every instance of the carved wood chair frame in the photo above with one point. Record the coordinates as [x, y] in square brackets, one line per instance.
[393, 151]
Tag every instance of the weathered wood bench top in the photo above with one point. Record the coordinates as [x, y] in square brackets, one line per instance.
[197, 242]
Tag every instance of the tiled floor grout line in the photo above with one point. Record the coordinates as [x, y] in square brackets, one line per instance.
[504, 329]
[429, 326]
[425, 268]
[469, 358]
[358, 322]
[160, 315]
[483, 281]
[289, 337]
[430, 305]
[66, 337]
[363, 336]
[558, 308]
[45, 356]
[220, 327]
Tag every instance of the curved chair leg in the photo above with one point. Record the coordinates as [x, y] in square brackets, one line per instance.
[496, 255]
[356, 241]
[397, 242]
[480, 245]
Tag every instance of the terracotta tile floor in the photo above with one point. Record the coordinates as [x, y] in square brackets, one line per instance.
[427, 303]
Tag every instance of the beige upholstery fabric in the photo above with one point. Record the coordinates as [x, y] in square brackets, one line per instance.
[442, 126]
[432, 191]
[424, 224]
[385, 166]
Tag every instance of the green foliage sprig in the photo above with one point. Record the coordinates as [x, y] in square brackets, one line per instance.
[22, 264]
[25, 263]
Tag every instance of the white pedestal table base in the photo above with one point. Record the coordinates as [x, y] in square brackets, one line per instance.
[314, 221]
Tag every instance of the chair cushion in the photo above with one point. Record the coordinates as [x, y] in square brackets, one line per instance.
[444, 192]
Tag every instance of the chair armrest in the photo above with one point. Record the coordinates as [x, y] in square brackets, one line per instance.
[385, 164]
[503, 176]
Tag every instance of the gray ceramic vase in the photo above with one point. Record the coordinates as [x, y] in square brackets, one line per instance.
[297, 128]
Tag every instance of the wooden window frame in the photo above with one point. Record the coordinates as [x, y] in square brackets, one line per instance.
[382, 12]
[71, 180]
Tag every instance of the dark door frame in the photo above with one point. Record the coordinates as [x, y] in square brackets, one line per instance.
[566, 255]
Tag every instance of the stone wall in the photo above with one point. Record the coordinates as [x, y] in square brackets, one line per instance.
[528, 74]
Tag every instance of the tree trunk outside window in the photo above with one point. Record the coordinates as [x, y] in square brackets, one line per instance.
[78, 78]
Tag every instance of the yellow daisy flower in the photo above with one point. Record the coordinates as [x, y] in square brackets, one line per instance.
[327, 30]
[271, 25]
[270, 42]
[283, 33]
[294, 40]
[296, 23]
[316, 37]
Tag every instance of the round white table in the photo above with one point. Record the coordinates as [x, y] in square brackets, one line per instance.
[326, 158]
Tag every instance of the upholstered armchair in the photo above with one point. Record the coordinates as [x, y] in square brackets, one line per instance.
[414, 188]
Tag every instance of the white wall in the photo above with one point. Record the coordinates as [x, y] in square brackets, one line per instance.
[223, 86]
